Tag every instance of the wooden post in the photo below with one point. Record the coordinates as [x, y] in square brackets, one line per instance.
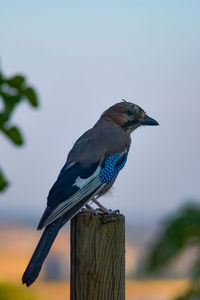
[97, 257]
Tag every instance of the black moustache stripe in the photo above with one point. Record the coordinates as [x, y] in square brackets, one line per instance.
[131, 123]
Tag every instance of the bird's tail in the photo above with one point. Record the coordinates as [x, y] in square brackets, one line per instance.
[33, 269]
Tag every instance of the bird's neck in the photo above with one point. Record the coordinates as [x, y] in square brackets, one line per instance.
[116, 131]
[109, 122]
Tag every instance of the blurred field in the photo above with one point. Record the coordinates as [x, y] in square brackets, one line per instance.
[135, 290]
[17, 244]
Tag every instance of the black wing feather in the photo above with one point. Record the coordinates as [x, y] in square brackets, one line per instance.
[63, 188]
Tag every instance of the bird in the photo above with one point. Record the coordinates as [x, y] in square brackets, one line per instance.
[91, 169]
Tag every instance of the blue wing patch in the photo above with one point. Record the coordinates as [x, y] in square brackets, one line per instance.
[112, 165]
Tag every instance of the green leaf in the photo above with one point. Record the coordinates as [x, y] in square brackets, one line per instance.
[10, 103]
[14, 135]
[1, 78]
[3, 119]
[16, 81]
[31, 95]
[3, 182]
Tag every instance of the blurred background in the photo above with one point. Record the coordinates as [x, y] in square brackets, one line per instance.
[75, 59]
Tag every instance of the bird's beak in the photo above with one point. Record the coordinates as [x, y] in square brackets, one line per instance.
[149, 121]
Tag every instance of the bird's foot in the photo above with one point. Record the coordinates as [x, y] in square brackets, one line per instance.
[91, 209]
[110, 211]
[108, 215]
[103, 209]
[115, 211]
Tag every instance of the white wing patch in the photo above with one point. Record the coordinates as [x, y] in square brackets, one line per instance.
[86, 187]
[81, 182]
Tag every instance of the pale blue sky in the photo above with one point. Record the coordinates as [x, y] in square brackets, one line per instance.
[83, 56]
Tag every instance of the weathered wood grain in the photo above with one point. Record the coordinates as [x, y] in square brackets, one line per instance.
[97, 257]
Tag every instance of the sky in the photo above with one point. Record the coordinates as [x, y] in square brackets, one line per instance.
[84, 56]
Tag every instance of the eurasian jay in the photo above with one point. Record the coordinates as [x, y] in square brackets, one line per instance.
[90, 170]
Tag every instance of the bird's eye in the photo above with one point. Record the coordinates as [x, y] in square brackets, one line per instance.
[129, 112]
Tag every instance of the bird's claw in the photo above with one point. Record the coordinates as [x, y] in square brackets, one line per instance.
[101, 210]
[112, 212]
[107, 211]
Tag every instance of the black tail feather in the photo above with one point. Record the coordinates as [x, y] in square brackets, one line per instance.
[33, 269]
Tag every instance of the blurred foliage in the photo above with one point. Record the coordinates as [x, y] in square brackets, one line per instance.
[193, 293]
[9, 291]
[180, 230]
[13, 90]
[3, 181]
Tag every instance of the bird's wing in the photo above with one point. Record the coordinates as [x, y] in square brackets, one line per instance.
[74, 184]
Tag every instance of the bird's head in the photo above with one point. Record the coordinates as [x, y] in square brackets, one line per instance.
[128, 116]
